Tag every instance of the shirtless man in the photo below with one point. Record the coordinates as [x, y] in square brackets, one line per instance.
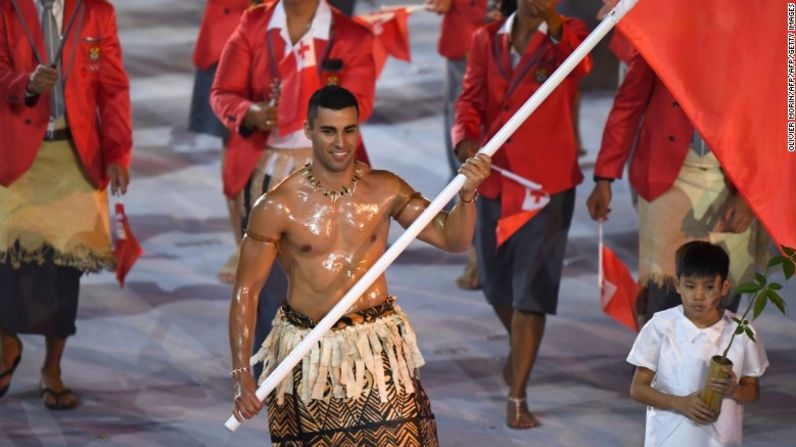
[327, 224]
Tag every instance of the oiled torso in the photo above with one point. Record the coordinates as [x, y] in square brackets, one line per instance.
[326, 246]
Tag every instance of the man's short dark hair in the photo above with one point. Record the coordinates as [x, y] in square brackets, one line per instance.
[331, 97]
[701, 259]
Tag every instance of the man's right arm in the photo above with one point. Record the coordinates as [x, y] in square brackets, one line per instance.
[621, 128]
[257, 254]
[471, 104]
[13, 83]
[229, 95]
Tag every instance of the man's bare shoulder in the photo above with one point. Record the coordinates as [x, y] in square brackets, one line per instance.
[279, 201]
[386, 181]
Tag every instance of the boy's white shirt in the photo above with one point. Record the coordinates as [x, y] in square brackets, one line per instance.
[679, 352]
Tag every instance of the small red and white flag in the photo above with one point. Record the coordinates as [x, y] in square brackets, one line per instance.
[299, 72]
[532, 201]
[618, 289]
[390, 30]
[126, 249]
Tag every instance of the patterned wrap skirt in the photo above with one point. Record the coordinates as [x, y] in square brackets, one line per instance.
[358, 387]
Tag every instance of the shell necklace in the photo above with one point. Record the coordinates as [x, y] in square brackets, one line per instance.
[347, 190]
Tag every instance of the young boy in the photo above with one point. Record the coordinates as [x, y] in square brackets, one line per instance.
[673, 351]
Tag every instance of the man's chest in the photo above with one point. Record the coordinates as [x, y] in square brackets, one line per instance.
[340, 225]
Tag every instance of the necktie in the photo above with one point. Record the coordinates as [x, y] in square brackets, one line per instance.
[52, 43]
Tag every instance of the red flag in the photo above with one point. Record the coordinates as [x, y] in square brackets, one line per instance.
[618, 290]
[533, 202]
[731, 66]
[391, 35]
[298, 70]
[127, 249]
[521, 200]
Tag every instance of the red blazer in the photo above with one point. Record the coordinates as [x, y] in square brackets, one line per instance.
[664, 138]
[459, 25]
[97, 90]
[220, 20]
[543, 149]
[244, 77]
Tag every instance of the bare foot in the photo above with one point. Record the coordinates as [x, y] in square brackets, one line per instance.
[10, 351]
[226, 274]
[54, 394]
[507, 371]
[518, 416]
[469, 279]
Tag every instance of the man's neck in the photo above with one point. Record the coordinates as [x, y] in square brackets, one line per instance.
[299, 14]
[522, 29]
[333, 180]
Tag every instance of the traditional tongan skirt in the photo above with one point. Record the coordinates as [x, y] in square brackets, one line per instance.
[688, 211]
[53, 227]
[358, 387]
[52, 211]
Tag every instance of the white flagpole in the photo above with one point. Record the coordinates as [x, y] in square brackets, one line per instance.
[409, 8]
[378, 268]
[600, 272]
[519, 179]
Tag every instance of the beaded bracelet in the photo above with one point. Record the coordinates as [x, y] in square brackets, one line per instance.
[461, 199]
[239, 370]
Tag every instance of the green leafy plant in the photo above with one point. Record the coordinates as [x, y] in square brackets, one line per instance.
[763, 292]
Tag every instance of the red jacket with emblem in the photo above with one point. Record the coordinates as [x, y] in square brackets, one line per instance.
[459, 25]
[97, 90]
[244, 77]
[543, 149]
[220, 20]
[664, 138]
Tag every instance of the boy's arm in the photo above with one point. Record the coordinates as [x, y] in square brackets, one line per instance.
[744, 391]
[748, 390]
[691, 406]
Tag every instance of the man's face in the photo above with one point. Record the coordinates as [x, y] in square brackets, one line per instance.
[335, 136]
[701, 295]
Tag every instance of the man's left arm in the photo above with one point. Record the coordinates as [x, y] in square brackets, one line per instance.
[566, 34]
[448, 231]
[113, 103]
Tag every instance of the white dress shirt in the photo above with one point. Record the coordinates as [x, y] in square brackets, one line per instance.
[679, 352]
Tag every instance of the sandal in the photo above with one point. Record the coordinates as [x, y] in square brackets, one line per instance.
[58, 396]
[10, 371]
[518, 423]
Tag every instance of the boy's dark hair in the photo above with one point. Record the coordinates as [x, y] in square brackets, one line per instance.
[330, 97]
[701, 259]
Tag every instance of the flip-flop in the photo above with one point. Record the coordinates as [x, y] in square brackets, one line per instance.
[58, 406]
[10, 371]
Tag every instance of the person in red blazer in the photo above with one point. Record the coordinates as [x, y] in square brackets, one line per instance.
[674, 173]
[54, 223]
[460, 20]
[248, 101]
[220, 19]
[509, 61]
[244, 83]
[96, 92]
